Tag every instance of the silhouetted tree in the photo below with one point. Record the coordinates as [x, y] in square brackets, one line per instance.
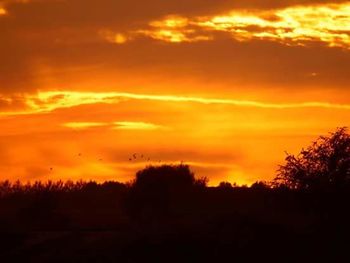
[157, 188]
[165, 177]
[323, 165]
[225, 185]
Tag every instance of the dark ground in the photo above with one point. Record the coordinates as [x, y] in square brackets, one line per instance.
[158, 221]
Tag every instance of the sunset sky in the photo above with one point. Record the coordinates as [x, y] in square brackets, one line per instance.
[225, 86]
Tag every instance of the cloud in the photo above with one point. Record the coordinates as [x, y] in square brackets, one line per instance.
[297, 25]
[128, 125]
[126, 45]
[119, 125]
[83, 125]
[49, 101]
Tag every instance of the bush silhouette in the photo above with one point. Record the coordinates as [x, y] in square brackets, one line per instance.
[164, 177]
[323, 165]
[225, 185]
[156, 189]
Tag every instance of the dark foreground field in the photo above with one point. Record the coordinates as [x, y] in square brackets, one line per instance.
[168, 216]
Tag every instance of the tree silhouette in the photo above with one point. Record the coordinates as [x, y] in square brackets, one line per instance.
[225, 185]
[323, 165]
[157, 189]
[165, 177]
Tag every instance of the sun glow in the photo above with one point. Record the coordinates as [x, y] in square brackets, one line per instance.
[2, 11]
[116, 38]
[199, 131]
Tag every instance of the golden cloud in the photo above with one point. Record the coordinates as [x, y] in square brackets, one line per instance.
[328, 23]
[297, 25]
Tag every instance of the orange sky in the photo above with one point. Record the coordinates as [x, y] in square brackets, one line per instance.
[226, 86]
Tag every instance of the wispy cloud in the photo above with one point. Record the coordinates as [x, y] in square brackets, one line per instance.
[52, 100]
[83, 125]
[127, 125]
[119, 125]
